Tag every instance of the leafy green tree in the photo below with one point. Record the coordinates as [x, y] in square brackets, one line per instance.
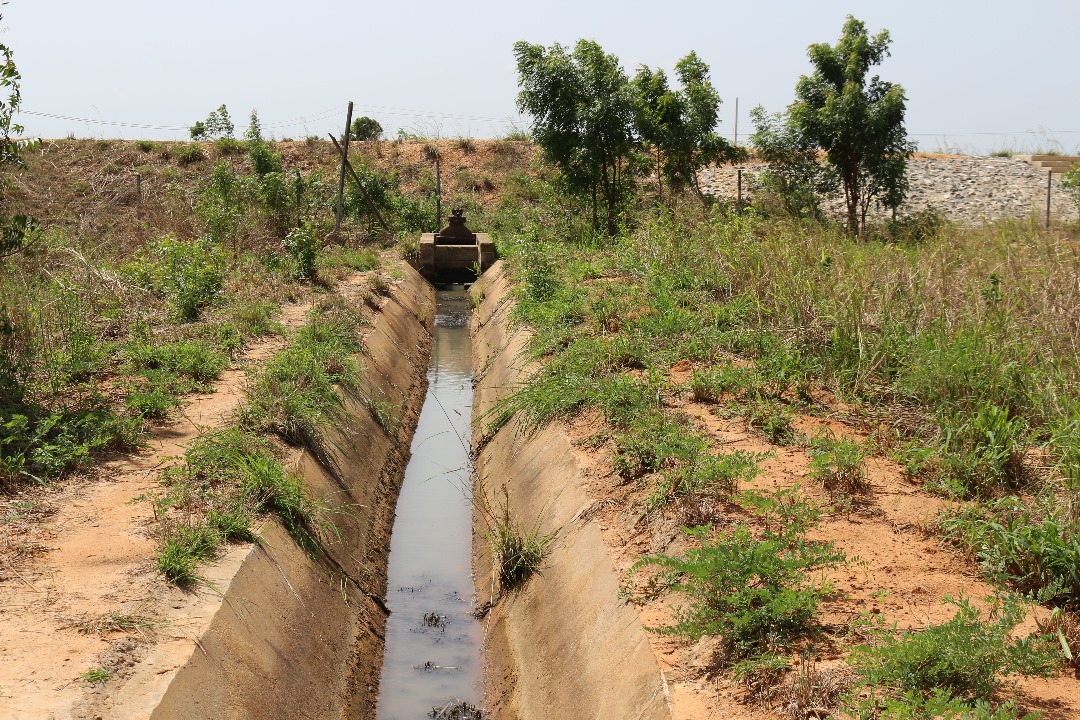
[582, 108]
[679, 125]
[365, 128]
[857, 122]
[794, 175]
[13, 230]
[217, 124]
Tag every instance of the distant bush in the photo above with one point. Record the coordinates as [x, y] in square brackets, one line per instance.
[365, 128]
[186, 154]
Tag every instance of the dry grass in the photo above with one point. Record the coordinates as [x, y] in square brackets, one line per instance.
[812, 693]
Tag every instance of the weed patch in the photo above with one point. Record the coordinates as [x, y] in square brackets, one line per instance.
[837, 463]
[753, 590]
[959, 662]
[294, 393]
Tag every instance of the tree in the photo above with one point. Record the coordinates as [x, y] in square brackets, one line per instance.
[679, 125]
[793, 174]
[583, 111]
[13, 229]
[859, 123]
[217, 124]
[365, 128]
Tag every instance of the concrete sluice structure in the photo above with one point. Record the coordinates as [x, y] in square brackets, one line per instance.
[455, 254]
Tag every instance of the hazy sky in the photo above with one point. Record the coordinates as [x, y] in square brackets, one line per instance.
[979, 75]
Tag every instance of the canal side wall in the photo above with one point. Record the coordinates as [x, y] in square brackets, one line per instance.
[298, 637]
[565, 645]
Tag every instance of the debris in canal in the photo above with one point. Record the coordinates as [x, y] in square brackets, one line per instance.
[456, 710]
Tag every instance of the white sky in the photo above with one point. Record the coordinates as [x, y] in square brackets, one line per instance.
[979, 76]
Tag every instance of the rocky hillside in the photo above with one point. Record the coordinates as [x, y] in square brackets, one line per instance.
[966, 188]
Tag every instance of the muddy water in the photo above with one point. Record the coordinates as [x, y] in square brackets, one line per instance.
[432, 653]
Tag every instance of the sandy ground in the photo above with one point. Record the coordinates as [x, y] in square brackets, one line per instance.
[897, 569]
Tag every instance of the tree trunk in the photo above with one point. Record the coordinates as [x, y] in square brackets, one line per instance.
[851, 194]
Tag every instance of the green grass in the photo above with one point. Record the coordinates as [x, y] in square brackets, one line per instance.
[184, 546]
[294, 393]
[705, 477]
[167, 371]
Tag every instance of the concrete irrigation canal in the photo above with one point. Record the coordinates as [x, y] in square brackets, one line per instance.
[379, 624]
[432, 653]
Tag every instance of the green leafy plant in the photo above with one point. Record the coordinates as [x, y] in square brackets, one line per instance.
[97, 675]
[754, 591]
[772, 417]
[837, 463]
[965, 658]
[982, 452]
[1021, 545]
[302, 244]
[189, 274]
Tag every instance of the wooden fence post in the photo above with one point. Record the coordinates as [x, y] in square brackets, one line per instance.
[344, 162]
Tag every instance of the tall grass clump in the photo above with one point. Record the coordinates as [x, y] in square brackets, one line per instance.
[294, 393]
[227, 479]
[517, 551]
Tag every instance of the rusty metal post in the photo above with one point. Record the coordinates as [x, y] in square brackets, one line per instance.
[739, 204]
[344, 162]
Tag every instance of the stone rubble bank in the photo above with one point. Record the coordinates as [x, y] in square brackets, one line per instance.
[965, 188]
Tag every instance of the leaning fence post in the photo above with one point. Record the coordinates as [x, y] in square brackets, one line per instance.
[344, 162]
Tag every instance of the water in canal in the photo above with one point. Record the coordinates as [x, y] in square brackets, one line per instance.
[432, 653]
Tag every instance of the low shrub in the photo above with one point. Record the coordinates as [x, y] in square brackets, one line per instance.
[964, 659]
[837, 463]
[188, 154]
[755, 592]
[188, 274]
[302, 244]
